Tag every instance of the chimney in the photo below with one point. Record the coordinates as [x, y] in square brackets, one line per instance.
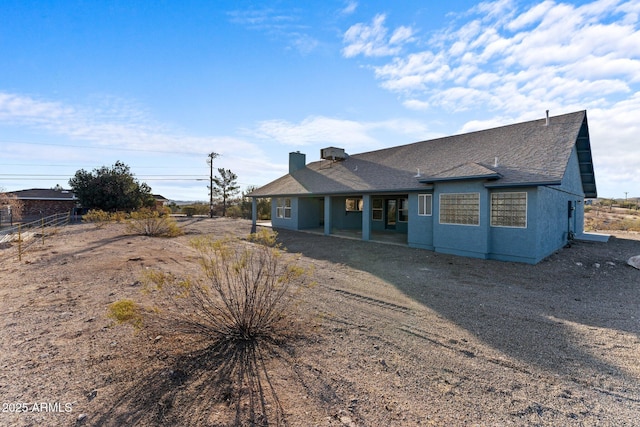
[547, 122]
[297, 161]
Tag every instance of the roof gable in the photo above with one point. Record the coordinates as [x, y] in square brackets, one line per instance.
[465, 171]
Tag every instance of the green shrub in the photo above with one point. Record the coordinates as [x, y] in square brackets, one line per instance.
[234, 211]
[189, 211]
[125, 311]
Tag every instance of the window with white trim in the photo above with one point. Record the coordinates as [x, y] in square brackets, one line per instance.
[283, 208]
[425, 203]
[509, 209]
[377, 206]
[460, 208]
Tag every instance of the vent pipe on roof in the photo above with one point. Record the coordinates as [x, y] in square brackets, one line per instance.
[547, 122]
[495, 162]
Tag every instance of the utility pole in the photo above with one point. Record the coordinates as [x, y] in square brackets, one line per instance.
[211, 156]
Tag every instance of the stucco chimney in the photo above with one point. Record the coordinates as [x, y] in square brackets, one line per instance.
[297, 161]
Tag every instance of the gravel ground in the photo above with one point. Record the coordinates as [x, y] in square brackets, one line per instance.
[392, 336]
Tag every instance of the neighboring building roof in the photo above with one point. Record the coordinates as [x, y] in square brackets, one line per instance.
[524, 154]
[43, 194]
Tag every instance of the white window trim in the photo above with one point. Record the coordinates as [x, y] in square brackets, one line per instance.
[526, 209]
[425, 196]
[454, 223]
[282, 209]
[380, 209]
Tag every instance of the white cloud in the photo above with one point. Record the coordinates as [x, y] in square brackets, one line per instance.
[314, 130]
[510, 61]
[111, 122]
[282, 26]
[546, 52]
[533, 15]
[614, 134]
[349, 8]
[415, 104]
[326, 131]
[372, 40]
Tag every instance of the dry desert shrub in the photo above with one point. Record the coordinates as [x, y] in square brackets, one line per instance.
[240, 313]
[149, 222]
[247, 290]
[98, 217]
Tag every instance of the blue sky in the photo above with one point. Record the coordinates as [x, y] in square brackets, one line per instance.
[160, 84]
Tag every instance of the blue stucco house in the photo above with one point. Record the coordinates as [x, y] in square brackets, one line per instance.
[512, 193]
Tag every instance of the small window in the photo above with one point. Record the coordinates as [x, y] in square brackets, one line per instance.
[283, 208]
[460, 208]
[403, 210]
[425, 201]
[376, 209]
[509, 210]
[354, 205]
[287, 208]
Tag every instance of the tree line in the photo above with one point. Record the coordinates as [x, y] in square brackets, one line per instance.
[115, 188]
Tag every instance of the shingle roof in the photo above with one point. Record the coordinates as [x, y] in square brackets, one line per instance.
[529, 153]
[44, 194]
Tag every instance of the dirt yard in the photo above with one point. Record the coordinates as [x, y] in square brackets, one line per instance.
[396, 336]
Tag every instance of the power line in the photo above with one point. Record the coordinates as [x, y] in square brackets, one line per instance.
[106, 147]
[69, 165]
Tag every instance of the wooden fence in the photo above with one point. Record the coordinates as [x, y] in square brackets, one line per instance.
[24, 235]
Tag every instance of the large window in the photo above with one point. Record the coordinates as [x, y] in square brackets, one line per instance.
[377, 206]
[425, 201]
[460, 208]
[509, 210]
[354, 205]
[283, 208]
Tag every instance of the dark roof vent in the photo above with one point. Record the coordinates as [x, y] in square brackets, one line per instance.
[333, 153]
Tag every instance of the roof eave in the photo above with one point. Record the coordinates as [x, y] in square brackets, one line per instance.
[349, 192]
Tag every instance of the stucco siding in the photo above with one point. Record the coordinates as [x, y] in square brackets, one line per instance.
[572, 183]
[288, 223]
[466, 240]
[343, 219]
[420, 227]
[561, 210]
[516, 243]
[552, 214]
[310, 212]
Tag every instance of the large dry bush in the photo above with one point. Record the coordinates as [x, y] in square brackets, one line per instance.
[246, 292]
[149, 222]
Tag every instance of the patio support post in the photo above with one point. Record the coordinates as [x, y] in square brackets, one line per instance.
[366, 217]
[327, 215]
[254, 214]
